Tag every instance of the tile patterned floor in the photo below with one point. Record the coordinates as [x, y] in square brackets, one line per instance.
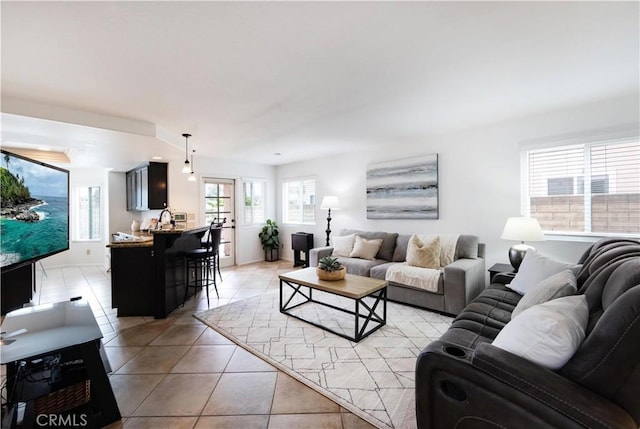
[178, 373]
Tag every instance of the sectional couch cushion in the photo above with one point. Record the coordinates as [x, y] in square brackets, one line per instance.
[359, 266]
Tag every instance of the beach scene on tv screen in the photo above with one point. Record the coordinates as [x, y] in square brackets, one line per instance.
[34, 210]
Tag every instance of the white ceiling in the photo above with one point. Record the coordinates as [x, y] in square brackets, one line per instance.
[304, 79]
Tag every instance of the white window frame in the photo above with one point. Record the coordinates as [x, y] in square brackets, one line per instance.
[252, 182]
[587, 144]
[78, 229]
[285, 200]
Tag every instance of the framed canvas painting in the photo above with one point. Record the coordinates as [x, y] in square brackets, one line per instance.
[403, 189]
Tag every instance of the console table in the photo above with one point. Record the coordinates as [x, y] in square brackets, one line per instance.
[55, 368]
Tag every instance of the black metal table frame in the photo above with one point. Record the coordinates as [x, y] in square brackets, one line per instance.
[359, 333]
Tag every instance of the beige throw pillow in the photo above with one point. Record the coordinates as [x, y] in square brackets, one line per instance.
[424, 255]
[366, 249]
[343, 245]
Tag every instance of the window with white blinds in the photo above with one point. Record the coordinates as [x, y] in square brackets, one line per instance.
[87, 213]
[299, 201]
[254, 201]
[584, 189]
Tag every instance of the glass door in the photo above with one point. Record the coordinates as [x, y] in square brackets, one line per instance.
[219, 204]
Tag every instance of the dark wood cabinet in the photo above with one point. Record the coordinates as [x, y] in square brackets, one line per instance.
[132, 291]
[147, 187]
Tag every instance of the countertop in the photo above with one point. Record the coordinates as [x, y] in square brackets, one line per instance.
[145, 239]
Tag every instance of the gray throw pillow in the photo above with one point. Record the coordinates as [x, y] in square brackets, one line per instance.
[555, 286]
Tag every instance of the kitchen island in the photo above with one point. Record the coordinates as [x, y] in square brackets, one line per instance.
[147, 271]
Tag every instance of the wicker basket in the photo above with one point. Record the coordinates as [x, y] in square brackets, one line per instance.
[331, 275]
[64, 399]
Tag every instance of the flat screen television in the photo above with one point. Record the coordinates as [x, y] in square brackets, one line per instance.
[34, 210]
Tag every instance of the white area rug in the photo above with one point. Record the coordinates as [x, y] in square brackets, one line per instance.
[373, 379]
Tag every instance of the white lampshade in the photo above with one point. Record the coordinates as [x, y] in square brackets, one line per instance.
[330, 202]
[522, 229]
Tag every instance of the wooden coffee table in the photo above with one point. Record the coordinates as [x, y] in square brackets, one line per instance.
[366, 316]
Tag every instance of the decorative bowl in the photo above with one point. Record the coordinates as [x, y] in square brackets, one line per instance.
[331, 275]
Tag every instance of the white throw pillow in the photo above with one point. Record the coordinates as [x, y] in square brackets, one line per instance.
[535, 267]
[366, 249]
[343, 245]
[548, 334]
[556, 286]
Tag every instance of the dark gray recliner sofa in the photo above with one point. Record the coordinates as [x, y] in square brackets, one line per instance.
[462, 381]
[459, 282]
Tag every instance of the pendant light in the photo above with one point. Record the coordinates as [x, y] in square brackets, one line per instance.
[192, 175]
[187, 167]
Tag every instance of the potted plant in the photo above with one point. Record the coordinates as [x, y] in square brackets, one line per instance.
[270, 239]
[330, 268]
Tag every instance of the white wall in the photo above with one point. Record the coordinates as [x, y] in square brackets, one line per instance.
[479, 178]
[84, 252]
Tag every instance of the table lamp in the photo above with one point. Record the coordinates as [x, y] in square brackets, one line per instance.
[521, 229]
[329, 202]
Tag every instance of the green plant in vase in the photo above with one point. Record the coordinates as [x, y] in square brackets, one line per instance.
[270, 239]
[329, 268]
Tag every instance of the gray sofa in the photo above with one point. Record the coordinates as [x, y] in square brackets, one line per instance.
[464, 381]
[460, 282]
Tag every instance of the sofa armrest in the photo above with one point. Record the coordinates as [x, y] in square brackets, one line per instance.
[491, 385]
[463, 280]
[503, 278]
[318, 253]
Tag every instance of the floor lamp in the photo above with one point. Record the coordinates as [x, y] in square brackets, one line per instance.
[329, 202]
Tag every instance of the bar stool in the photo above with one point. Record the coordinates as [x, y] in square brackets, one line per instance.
[219, 223]
[203, 261]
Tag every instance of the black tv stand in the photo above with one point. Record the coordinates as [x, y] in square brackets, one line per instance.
[18, 285]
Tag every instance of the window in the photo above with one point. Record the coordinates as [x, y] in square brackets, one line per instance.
[299, 201]
[254, 201]
[87, 211]
[218, 199]
[584, 189]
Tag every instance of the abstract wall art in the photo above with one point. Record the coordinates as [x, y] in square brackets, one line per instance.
[403, 189]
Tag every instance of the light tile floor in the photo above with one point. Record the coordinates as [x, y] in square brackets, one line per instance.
[179, 373]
